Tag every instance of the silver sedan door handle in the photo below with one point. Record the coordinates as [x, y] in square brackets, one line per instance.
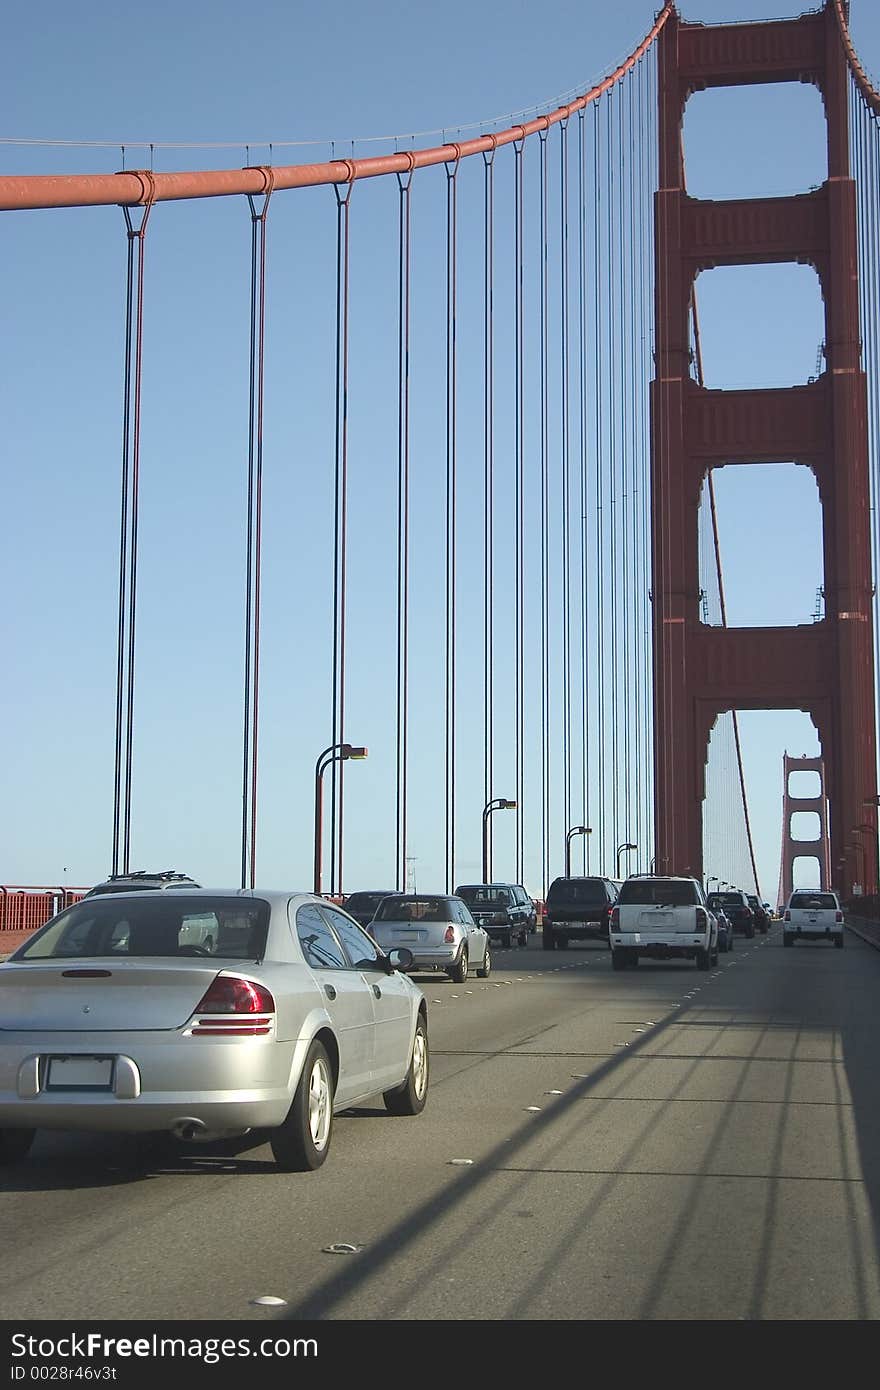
[330, 991]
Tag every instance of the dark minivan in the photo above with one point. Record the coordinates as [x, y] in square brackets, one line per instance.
[578, 909]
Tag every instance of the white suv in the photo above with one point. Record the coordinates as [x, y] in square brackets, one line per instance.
[663, 918]
[814, 915]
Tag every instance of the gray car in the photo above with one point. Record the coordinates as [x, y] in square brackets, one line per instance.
[206, 1012]
[437, 929]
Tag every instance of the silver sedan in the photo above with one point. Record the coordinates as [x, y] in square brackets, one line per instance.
[203, 1013]
[437, 929]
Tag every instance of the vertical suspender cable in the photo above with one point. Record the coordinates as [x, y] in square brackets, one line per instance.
[632, 687]
[451, 421]
[488, 482]
[519, 449]
[627, 334]
[614, 411]
[545, 524]
[254, 535]
[566, 477]
[649, 233]
[128, 532]
[340, 519]
[404, 181]
[600, 525]
[582, 491]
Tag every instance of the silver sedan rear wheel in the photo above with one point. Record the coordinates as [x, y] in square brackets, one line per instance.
[302, 1142]
[409, 1099]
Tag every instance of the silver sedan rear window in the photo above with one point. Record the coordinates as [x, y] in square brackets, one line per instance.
[157, 924]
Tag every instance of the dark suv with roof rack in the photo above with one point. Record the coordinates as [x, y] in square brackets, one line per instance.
[141, 880]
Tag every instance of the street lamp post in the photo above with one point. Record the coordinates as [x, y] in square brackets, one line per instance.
[620, 850]
[575, 830]
[337, 752]
[500, 803]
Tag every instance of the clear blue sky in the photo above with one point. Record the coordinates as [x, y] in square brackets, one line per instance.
[215, 72]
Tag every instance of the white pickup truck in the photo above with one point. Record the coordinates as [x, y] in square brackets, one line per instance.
[813, 915]
[663, 918]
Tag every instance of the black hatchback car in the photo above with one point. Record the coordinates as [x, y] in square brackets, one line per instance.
[578, 909]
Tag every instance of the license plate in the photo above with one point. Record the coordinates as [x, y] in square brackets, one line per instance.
[79, 1073]
[407, 936]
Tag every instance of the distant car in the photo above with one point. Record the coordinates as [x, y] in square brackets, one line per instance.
[115, 1020]
[761, 915]
[141, 880]
[725, 928]
[736, 909]
[437, 929]
[578, 909]
[361, 906]
[814, 915]
[504, 909]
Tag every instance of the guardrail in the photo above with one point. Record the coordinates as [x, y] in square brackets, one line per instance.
[24, 907]
[868, 928]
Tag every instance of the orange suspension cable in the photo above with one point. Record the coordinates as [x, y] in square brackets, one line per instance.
[137, 187]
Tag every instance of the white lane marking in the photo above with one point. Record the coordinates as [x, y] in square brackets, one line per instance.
[268, 1300]
[533, 1108]
[459, 1162]
[553, 1093]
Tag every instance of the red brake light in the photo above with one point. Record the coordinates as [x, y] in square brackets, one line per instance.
[702, 919]
[838, 916]
[786, 916]
[615, 919]
[234, 1007]
[449, 936]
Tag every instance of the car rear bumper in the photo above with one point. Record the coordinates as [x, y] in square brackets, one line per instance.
[595, 931]
[814, 933]
[222, 1083]
[663, 945]
[438, 958]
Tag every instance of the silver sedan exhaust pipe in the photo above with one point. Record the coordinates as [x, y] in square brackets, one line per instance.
[188, 1128]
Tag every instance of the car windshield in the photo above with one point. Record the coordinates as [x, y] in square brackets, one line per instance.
[658, 892]
[813, 900]
[574, 890]
[163, 924]
[413, 910]
[478, 895]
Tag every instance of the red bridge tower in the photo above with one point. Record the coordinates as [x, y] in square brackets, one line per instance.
[825, 668]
